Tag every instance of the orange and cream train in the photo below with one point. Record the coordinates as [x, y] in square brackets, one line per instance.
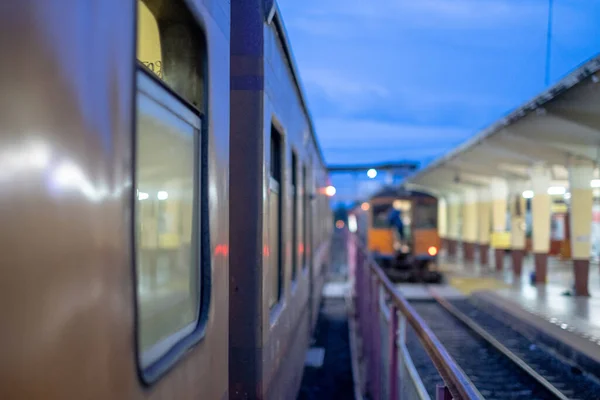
[418, 211]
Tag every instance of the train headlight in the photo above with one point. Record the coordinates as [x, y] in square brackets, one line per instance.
[432, 251]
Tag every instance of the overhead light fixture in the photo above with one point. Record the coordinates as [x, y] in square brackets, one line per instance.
[330, 191]
[352, 223]
[595, 183]
[528, 194]
[162, 195]
[143, 195]
[556, 190]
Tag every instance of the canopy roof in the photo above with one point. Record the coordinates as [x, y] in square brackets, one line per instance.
[559, 127]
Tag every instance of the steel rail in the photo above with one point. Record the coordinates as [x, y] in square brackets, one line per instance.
[497, 345]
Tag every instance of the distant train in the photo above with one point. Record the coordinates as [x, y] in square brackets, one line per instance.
[165, 226]
[414, 258]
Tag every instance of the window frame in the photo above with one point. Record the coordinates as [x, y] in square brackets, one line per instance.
[305, 203]
[177, 344]
[294, 228]
[276, 185]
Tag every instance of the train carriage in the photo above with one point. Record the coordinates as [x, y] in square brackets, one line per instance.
[278, 173]
[162, 202]
[113, 150]
[412, 255]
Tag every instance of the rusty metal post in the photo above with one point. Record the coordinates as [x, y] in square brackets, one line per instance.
[360, 295]
[442, 393]
[393, 352]
[375, 338]
[368, 327]
[364, 331]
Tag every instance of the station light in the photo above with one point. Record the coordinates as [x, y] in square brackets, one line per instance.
[528, 194]
[143, 195]
[397, 205]
[162, 195]
[556, 190]
[330, 191]
[365, 206]
[372, 173]
[352, 223]
[595, 183]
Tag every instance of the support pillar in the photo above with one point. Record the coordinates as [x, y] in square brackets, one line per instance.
[469, 224]
[484, 214]
[541, 180]
[453, 224]
[518, 228]
[443, 222]
[500, 237]
[580, 212]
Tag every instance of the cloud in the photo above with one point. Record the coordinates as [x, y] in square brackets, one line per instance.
[343, 91]
[354, 95]
[352, 141]
[479, 13]
[390, 79]
[372, 131]
[324, 16]
[337, 85]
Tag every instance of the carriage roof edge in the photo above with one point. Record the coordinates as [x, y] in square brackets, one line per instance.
[399, 192]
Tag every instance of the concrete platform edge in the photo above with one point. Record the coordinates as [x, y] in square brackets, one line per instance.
[569, 345]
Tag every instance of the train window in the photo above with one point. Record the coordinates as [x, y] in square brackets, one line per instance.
[168, 293]
[172, 47]
[380, 215]
[171, 302]
[275, 220]
[425, 215]
[304, 217]
[294, 194]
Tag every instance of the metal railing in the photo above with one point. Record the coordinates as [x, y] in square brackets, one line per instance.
[382, 317]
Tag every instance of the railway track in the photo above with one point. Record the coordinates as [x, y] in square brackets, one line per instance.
[501, 363]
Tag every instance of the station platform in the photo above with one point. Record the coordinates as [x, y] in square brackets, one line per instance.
[468, 276]
[547, 313]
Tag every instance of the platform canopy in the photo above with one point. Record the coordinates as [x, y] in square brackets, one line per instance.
[558, 128]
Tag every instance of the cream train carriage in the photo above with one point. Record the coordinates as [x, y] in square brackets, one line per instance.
[121, 182]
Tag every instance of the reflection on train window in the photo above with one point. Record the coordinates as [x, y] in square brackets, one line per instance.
[294, 194]
[381, 213]
[275, 242]
[166, 220]
[425, 216]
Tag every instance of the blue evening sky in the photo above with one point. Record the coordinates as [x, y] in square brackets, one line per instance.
[390, 80]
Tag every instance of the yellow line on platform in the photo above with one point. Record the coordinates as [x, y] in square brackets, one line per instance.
[470, 285]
